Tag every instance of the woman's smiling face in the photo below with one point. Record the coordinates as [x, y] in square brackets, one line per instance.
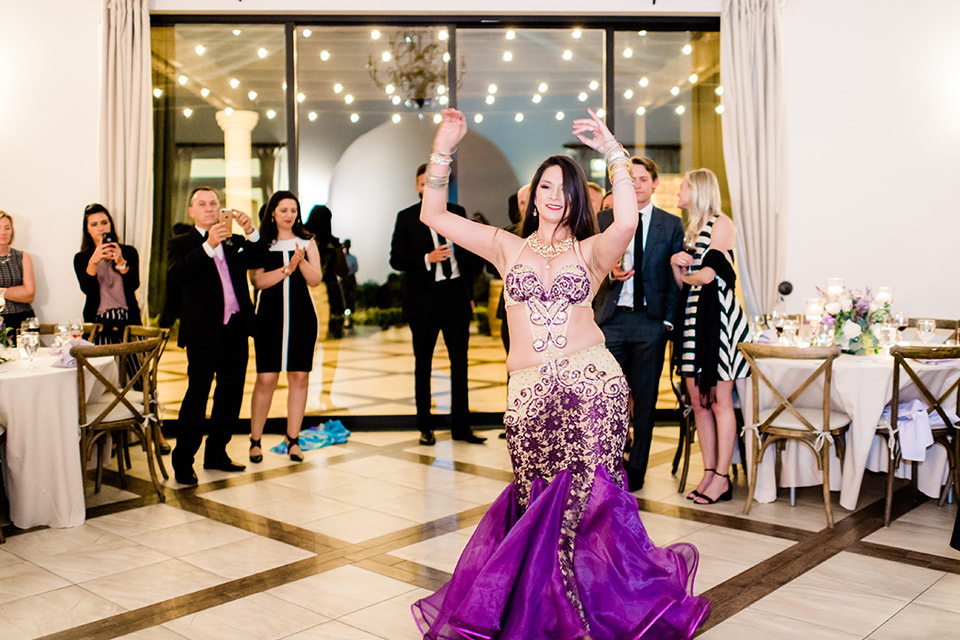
[549, 197]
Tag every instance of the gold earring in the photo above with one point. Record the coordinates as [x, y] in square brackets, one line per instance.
[535, 212]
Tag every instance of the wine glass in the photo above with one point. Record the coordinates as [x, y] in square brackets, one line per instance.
[31, 342]
[76, 328]
[31, 324]
[789, 331]
[690, 246]
[902, 321]
[888, 335]
[925, 329]
[756, 328]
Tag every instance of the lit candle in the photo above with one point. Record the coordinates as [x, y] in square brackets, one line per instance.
[883, 294]
[834, 287]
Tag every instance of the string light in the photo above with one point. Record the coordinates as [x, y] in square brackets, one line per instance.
[312, 116]
[354, 117]
[478, 118]
[644, 81]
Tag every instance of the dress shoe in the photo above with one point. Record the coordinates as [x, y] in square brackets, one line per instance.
[224, 464]
[470, 437]
[185, 476]
[427, 438]
[634, 480]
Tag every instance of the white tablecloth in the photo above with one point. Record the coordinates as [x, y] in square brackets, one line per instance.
[862, 386]
[41, 468]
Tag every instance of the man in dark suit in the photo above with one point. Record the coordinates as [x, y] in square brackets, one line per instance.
[437, 298]
[207, 265]
[635, 308]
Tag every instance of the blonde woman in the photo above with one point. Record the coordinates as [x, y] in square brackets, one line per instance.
[713, 324]
[17, 286]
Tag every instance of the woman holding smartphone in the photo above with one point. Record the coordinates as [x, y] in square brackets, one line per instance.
[109, 275]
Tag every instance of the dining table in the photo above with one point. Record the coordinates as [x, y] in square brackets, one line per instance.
[861, 387]
[41, 463]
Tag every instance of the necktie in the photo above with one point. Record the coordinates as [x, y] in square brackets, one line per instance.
[638, 269]
[230, 304]
[445, 264]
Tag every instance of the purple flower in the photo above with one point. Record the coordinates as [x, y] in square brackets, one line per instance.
[829, 321]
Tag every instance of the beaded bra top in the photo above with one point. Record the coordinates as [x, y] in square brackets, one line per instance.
[548, 308]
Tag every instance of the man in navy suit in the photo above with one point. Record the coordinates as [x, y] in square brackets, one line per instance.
[207, 265]
[437, 298]
[635, 308]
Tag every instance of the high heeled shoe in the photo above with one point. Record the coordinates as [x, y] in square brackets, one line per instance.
[696, 494]
[291, 442]
[726, 496]
[256, 444]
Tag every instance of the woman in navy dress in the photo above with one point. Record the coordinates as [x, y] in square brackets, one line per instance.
[285, 331]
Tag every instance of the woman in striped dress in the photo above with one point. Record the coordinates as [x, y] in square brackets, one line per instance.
[714, 323]
[285, 331]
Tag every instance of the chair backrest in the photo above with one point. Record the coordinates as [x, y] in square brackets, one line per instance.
[135, 332]
[785, 400]
[903, 360]
[144, 352]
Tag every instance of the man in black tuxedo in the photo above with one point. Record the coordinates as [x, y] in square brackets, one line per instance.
[635, 308]
[207, 265]
[437, 298]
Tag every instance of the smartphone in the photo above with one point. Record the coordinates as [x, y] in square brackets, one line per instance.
[226, 217]
[109, 237]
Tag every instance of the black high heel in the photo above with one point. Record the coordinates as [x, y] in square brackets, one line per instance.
[296, 457]
[259, 456]
[696, 494]
[726, 496]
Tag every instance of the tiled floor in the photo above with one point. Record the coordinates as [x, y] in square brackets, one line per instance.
[340, 546]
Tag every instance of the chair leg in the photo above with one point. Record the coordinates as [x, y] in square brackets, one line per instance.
[155, 433]
[151, 451]
[679, 454]
[689, 428]
[825, 456]
[891, 471]
[951, 474]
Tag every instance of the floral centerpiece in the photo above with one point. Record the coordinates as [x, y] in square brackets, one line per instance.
[6, 340]
[855, 318]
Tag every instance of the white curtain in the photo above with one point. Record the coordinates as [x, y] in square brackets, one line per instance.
[126, 127]
[751, 69]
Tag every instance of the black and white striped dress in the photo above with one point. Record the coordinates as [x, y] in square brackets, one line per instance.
[733, 322]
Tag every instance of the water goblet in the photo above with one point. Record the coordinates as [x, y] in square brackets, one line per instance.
[888, 335]
[31, 342]
[790, 332]
[926, 327]
[62, 335]
[31, 324]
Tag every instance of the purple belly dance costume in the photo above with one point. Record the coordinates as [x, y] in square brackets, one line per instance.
[562, 554]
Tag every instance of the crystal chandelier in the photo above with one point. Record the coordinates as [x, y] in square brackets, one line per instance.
[414, 67]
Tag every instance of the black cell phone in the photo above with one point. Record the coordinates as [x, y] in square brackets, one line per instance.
[108, 237]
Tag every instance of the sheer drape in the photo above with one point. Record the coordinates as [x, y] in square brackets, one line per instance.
[751, 66]
[126, 126]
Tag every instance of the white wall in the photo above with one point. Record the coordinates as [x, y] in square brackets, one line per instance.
[873, 117]
[49, 83]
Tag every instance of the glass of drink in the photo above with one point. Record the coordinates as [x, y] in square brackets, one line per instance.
[888, 335]
[76, 328]
[31, 324]
[30, 344]
[789, 333]
[925, 329]
[62, 335]
[690, 246]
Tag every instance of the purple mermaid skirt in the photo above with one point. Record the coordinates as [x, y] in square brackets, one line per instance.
[562, 554]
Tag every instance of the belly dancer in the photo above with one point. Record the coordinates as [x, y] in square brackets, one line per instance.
[561, 554]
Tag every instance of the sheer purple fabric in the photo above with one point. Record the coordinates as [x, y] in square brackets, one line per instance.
[508, 582]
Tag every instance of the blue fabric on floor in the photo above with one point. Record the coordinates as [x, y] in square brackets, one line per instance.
[324, 435]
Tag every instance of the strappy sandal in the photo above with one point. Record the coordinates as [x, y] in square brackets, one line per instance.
[696, 494]
[293, 442]
[255, 444]
[726, 496]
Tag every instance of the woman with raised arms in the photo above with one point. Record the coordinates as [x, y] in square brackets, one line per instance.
[561, 554]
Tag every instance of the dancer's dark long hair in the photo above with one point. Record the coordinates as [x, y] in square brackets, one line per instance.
[578, 216]
[268, 225]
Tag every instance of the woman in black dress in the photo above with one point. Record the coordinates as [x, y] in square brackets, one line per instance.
[285, 331]
[109, 275]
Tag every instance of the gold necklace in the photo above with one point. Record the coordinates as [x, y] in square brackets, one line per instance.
[549, 252]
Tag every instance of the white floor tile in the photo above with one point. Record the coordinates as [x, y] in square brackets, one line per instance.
[246, 557]
[359, 525]
[53, 611]
[919, 622]
[257, 617]
[151, 584]
[341, 591]
[389, 619]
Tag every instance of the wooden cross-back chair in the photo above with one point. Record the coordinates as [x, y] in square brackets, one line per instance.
[946, 436]
[814, 428]
[123, 408]
[133, 333]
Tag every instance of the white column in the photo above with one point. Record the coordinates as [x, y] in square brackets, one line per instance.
[237, 126]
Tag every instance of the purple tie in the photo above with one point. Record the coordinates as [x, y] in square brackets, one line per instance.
[230, 304]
